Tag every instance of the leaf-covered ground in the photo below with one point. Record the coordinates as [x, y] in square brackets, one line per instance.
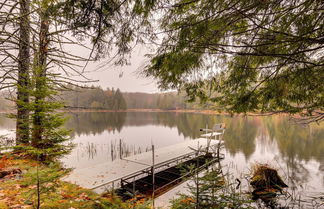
[20, 190]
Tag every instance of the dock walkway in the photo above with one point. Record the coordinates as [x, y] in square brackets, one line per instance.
[110, 175]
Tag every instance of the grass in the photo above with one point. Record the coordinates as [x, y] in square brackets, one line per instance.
[20, 190]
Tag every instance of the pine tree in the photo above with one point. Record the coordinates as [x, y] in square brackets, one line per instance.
[119, 101]
[210, 189]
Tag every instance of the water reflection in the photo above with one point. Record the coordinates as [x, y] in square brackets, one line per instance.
[294, 142]
[300, 147]
[95, 122]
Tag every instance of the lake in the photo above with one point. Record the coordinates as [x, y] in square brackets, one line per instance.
[296, 151]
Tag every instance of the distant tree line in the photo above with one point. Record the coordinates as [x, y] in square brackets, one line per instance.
[165, 101]
[113, 99]
[93, 98]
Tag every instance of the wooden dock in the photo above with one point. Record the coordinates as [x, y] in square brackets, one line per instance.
[115, 174]
[164, 180]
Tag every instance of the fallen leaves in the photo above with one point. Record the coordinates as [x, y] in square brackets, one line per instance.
[19, 191]
[83, 196]
[187, 201]
[3, 162]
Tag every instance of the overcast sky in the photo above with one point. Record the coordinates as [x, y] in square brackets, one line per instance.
[130, 81]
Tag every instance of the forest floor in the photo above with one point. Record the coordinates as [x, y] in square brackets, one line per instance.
[28, 179]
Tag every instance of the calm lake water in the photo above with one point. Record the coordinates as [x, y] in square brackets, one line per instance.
[296, 151]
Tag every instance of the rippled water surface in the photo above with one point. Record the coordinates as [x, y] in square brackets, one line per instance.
[296, 151]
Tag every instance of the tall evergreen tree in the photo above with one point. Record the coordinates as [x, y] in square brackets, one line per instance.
[15, 59]
[40, 77]
[22, 123]
[119, 102]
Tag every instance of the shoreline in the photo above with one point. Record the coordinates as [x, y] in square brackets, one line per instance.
[206, 112]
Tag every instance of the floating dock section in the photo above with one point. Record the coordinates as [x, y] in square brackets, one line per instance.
[115, 174]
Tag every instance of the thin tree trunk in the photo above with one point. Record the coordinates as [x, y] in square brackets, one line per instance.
[22, 123]
[40, 78]
[38, 189]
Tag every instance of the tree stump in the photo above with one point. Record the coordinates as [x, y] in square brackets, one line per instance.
[266, 182]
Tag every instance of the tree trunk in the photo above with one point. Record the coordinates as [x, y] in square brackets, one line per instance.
[22, 123]
[40, 81]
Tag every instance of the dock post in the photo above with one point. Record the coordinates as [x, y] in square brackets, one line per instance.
[153, 175]
[208, 139]
[134, 189]
[220, 137]
[120, 149]
[197, 178]
[111, 151]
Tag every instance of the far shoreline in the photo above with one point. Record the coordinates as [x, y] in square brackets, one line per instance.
[205, 112]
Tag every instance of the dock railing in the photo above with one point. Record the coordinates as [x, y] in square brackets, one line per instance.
[217, 131]
[119, 182]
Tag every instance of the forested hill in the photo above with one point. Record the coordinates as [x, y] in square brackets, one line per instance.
[93, 98]
[97, 98]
